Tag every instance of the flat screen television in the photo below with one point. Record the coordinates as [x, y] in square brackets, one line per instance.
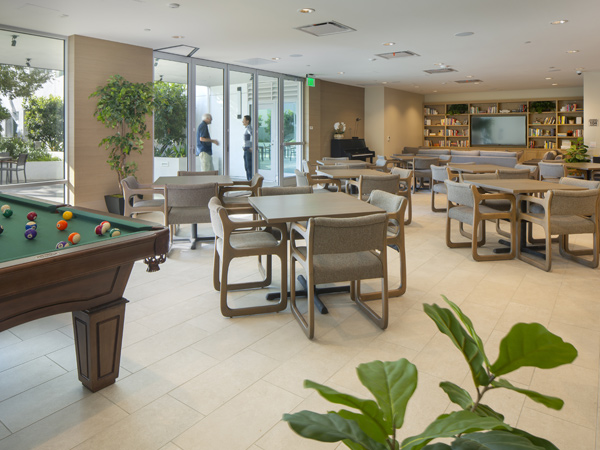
[496, 131]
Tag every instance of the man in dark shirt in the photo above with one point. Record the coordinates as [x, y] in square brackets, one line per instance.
[247, 146]
[204, 143]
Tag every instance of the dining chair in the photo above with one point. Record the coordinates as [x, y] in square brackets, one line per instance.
[422, 171]
[438, 176]
[332, 250]
[284, 190]
[319, 183]
[513, 174]
[237, 195]
[382, 164]
[368, 183]
[188, 173]
[533, 170]
[466, 205]
[239, 239]
[188, 204]
[16, 166]
[394, 206]
[133, 193]
[551, 172]
[405, 189]
[564, 213]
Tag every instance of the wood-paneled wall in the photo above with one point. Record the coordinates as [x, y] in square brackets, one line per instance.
[91, 63]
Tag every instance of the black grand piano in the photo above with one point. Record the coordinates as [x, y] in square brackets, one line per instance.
[354, 148]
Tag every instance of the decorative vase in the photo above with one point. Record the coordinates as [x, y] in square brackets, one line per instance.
[338, 136]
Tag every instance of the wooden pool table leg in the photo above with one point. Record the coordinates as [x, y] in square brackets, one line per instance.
[98, 339]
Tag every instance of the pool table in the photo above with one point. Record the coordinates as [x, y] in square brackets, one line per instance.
[87, 279]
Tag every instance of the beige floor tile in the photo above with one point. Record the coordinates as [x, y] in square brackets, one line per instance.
[149, 428]
[4, 432]
[219, 384]
[577, 311]
[251, 413]
[174, 315]
[283, 343]
[33, 348]
[42, 326]
[170, 446]
[441, 359]
[68, 427]
[25, 376]
[65, 358]
[412, 330]
[519, 313]
[587, 343]
[8, 338]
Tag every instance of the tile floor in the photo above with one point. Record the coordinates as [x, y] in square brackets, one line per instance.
[192, 379]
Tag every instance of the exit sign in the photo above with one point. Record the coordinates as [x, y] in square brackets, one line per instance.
[310, 82]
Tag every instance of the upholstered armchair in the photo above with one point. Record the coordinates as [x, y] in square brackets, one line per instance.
[405, 189]
[438, 176]
[237, 195]
[133, 193]
[368, 183]
[551, 172]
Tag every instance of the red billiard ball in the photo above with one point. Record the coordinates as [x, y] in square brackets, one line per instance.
[62, 225]
[31, 215]
[99, 230]
[74, 238]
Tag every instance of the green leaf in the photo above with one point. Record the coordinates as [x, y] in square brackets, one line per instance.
[457, 394]
[543, 443]
[493, 440]
[352, 445]
[451, 327]
[437, 446]
[392, 383]
[550, 402]
[450, 425]
[367, 424]
[368, 407]
[531, 344]
[470, 328]
[329, 428]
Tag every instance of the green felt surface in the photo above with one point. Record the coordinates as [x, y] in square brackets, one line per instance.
[14, 245]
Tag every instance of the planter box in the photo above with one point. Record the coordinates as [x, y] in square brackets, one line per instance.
[43, 170]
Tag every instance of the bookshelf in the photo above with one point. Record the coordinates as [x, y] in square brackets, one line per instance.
[551, 123]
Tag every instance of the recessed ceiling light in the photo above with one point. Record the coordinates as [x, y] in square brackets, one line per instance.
[296, 55]
[554, 84]
[340, 73]
[477, 82]
[276, 59]
[306, 10]
[173, 5]
[464, 33]
[417, 87]
[177, 37]
[444, 82]
[469, 76]
[558, 22]
[548, 78]
[372, 59]
[434, 91]
[572, 51]
[384, 82]
[389, 43]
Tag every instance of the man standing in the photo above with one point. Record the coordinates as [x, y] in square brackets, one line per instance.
[247, 146]
[204, 144]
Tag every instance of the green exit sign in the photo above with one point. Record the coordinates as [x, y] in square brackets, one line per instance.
[310, 82]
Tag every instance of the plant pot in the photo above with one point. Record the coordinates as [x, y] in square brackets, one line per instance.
[338, 136]
[115, 204]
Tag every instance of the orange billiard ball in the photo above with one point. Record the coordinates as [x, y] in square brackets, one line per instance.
[62, 225]
[74, 238]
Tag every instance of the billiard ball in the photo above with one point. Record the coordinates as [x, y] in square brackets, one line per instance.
[74, 238]
[1, 229]
[98, 230]
[31, 215]
[4, 208]
[67, 215]
[7, 213]
[105, 226]
[29, 225]
[30, 234]
[62, 225]
[62, 244]
[114, 232]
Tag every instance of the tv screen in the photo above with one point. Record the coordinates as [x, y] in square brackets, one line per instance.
[499, 130]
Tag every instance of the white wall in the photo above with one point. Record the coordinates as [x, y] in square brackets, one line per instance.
[591, 110]
[374, 118]
[506, 95]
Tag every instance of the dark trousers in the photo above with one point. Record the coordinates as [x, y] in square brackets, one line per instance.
[248, 163]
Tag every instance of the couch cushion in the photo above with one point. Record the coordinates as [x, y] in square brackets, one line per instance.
[465, 152]
[433, 152]
[497, 153]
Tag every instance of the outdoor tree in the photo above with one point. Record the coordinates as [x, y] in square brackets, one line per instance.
[170, 116]
[19, 82]
[44, 121]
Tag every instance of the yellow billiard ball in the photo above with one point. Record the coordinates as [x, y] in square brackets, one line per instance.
[67, 215]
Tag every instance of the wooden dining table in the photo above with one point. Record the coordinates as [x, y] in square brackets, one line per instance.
[346, 174]
[588, 168]
[301, 207]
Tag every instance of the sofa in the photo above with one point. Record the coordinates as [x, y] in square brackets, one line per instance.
[497, 157]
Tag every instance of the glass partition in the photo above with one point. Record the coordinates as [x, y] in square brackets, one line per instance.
[292, 126]
[241, 165]
[268, 126]
[210, 115]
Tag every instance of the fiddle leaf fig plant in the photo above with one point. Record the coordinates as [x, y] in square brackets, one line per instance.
[372, 424]
[577, 152]
[124, 106]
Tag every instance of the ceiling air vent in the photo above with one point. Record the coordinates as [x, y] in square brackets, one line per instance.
[325, 28]
[469, 81]
[444, 70]
[394, 55]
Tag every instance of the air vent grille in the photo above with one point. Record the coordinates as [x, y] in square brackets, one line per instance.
[325, 28]
[445, 70]
[468, 81]
[394, 55]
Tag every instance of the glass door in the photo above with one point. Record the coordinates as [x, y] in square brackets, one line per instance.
[241, 125]
[209, 116]
[268, 126]
[292, 126]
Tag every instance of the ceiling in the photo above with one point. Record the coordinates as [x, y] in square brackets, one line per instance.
[513, 46]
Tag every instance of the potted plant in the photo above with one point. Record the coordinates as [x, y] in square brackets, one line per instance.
[542, 106]
[339, 128]
[124, 107]
[460, 108]
[373, 424]
[577, 152]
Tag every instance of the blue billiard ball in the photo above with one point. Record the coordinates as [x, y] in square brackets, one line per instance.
[62, 244]
[30, 234]
[31, 225]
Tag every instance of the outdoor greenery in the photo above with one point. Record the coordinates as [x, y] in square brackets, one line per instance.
[577, 152]
[124, 106]
[475, 426]
[44, 120]
[170, 119]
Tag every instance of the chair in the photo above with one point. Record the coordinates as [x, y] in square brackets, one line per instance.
[513, 174]
[238, 239]
[563, 213]
[340, 249]
[187, 173]
[462, 177]
[422, 170]
[382, 164]
[532, 169]
[438, 176]
[308, 179]
[237, 195]
[301, 178]
[465, 205]
[551, 172]
[132, 191]
[394, 206]
[188, 204]
[284, 190]
[405, 189]
[368, 183]
[15, 166]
